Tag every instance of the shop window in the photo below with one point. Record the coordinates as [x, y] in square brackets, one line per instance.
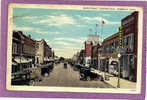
[125, 62]
[131, 60]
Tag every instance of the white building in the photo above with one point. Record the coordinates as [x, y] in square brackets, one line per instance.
[94, 38]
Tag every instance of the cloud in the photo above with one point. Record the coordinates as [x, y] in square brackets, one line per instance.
[97, 19]
[67, 47]
[29, 17]
[22, 28]
[77, 40]
[57, 20]
[80, 25]
[107, 15]
[66, 51]
[63, 43]
[35, 30]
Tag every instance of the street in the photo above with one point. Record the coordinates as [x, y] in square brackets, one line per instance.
[61, 77]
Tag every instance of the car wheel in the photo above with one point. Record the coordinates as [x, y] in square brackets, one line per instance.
[31, 83]
[82, 76]
[88, 78]
[101, 78]
[46, 74]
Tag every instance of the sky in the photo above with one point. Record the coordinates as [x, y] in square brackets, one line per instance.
[66, 30]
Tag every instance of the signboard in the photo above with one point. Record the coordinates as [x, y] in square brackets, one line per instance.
[120, 37]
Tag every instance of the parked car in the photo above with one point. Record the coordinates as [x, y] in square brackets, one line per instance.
[113, 68]
[87, 74]
[65, 65]
[35, 75]
[77, 67]
[20, 78]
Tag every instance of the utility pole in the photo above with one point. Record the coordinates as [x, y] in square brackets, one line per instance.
[120, 50]
[118, 85]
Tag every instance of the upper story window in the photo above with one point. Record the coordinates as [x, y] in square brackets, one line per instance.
[14, 48]
[128, 42]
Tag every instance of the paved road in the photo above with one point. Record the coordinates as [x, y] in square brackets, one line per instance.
[69, 78]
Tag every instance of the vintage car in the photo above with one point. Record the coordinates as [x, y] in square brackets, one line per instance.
[113, 68]
[20, 78]
[77, 67]
[65, 65]
[35, 75]
[88, 74]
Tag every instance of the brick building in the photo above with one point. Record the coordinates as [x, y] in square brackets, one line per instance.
[16, 44]
[94, 56]
[109, 47]
[88, 53]
[130, 39]
[128, 60]
[23, 51]
[91, 50]
[28, 47]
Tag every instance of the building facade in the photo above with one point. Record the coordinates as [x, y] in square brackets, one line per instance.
[23, 51]
[109, 51]
[130, 39]
[81, 57]
[94, 56]
[28, 47]
[88, 53]
[43, 52]
[94, 38]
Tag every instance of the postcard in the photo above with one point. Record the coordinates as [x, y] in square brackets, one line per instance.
[75, 48]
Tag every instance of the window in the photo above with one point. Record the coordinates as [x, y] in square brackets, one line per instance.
[14, 48]
[127, 41]
[132, 43]
[15, 69]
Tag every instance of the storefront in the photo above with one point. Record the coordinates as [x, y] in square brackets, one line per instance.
[23, 63]
[128, 66]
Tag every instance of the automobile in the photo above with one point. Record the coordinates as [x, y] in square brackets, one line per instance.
[35, 74]
[45, 71]
[50, 65]
[88, 74]
[65, 65]
[20, 78]
[77, 67]
[57, 62]
[113, 68]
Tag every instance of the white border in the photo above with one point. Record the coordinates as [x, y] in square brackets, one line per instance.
[71, 89]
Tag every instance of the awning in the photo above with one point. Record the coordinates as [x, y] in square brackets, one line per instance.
[14, 62]
[46, 59]
[23, 60]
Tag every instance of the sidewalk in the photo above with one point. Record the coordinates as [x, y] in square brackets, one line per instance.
[114, 80]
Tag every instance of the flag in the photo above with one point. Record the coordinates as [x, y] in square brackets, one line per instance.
[103, 22]
[97, 25]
